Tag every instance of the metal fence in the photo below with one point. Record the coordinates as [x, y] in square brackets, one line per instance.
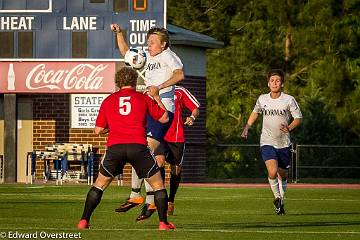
[326, 162]
[309, 163]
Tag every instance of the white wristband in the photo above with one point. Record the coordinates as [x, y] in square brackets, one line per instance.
[193, 118]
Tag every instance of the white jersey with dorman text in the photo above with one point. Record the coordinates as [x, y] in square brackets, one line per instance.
[158, 70]
[276, 112]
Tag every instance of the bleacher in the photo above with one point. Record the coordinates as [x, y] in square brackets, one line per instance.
[63, 162]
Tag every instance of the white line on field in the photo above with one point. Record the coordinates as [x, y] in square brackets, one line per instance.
[185, 230]
[261, 198]
[183, 198]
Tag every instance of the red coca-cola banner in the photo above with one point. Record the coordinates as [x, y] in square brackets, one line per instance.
[57, 77]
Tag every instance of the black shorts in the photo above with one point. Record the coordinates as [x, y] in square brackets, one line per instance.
[156, 129]
[137, 155]
[173, 152]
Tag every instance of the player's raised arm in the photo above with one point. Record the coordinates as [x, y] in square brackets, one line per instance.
[123, 46]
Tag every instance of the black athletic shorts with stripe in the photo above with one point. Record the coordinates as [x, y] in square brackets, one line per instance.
[173, 152]
[137, 155]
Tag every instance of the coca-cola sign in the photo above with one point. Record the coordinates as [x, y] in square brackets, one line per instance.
[57, 77]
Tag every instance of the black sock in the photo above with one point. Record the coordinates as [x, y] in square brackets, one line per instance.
[162, 172]
[161, 202]
[174, 185]
[93, 198]
[136, 190]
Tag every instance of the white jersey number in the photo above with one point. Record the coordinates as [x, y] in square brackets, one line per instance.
[124, 105]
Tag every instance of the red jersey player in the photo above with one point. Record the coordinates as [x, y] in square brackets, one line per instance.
[123, 115]
[173, 146]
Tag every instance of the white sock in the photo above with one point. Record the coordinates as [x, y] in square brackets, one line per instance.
[149, 197]
[282, 187]
[136, 183]
[274, 185]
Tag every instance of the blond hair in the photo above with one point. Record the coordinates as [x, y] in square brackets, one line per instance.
[162, 33]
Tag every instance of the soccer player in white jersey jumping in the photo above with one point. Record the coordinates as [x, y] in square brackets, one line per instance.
[163, 70]
[281, 115]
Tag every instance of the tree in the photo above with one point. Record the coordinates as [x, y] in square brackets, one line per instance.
[316, 42]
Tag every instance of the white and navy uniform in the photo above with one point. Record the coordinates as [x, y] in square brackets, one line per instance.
[276, 112]
[159, 69]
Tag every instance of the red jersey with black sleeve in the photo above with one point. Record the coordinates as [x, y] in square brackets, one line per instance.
[124, 114]
[183, 98]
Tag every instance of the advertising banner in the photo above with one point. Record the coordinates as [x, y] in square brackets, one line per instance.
[57, 77]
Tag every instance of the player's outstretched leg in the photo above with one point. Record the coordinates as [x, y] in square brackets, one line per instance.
[282, 178]
[161, 201]
[277, 205]
[146, 211]
[282, 186]
[282, 207]
[274, 185]
[149, 207]
[135, 198]
[93, 199]
[174, 185]
[272, 168]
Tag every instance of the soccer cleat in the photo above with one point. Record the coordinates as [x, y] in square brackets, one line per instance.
[282, 209]
[166, 226]
[83, 224]
[277, 206]
[146, 212]
[170, 208]
[129, 204]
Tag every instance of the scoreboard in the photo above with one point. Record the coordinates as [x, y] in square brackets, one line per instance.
[66, 46]
[61, 47]
[67, 29]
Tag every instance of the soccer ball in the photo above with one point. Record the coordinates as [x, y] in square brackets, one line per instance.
[135, 58]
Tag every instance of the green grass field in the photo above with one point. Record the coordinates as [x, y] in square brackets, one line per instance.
[200, 213]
